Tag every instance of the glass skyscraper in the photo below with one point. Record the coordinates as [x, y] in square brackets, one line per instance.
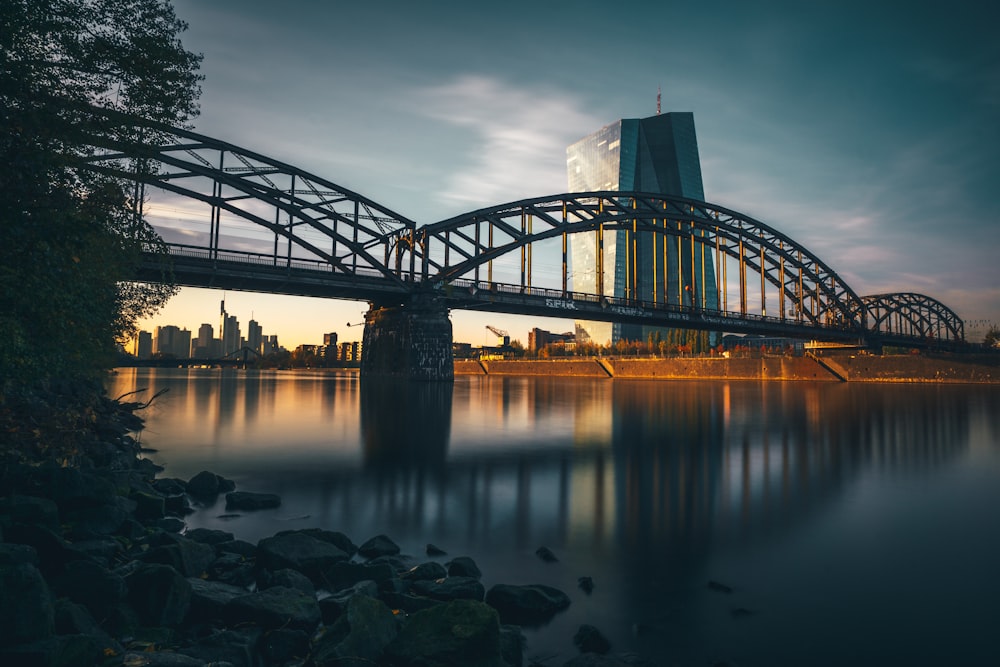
[656, 155]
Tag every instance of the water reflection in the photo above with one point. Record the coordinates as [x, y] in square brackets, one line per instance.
[405, 425]
[643, 485]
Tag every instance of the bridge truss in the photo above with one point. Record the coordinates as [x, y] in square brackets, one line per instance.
[274, 227]
[906, 315]
[755, 267]
[260, 210]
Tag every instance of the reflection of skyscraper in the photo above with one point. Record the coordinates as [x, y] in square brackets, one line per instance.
[657, 155]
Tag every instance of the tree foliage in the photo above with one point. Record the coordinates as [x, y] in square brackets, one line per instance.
[70, 238]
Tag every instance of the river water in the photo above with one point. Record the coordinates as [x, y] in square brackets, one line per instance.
[852, 524]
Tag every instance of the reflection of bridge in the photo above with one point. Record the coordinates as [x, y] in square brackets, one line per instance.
[274, 228]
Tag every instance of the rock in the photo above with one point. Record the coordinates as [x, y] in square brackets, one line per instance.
[169, 486]
[526, 605]
[408, 603]
[102, 550]
[209, 598]
[58, 651]
[397, 563]
[283, 645]
[380, 545]
[232, 647]
[362, 632]
[91, 585]
[208, 536]
[52, 550]
[298, 551]
[546, 555]
[26, 610]
[241, 575]
[590, 640]
[462, 633]
[159, 594]
[331, 607]
[188, 557]
[101, 519]
[74, 619]
[17, 554]
[463, 566]
[425, 571]
[286, 577]
[203, 485]
[450, 588]
[73, 488]
[170, 524]
[595, 660]
[512, 644]
[432, 551]
[177, 505]
[246, 501]
[586, 584]
[337, 539]
[344, 575]
[31, 509]
[161, 659]
[240, 547]
[148, 506]
[274, 608]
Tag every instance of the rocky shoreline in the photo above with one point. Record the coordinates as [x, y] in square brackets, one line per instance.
[97, 567]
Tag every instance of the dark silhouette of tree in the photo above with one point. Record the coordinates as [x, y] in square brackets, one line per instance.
[70, 238]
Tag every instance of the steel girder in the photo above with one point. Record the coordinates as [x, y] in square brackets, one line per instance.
[913, 315]
[459, 246]
[315, 218]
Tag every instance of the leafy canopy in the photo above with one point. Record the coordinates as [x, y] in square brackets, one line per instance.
[70, 238]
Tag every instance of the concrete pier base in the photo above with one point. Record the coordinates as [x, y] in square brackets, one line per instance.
[411, 341]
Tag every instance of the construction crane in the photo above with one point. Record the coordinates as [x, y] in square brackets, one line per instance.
[503, 338]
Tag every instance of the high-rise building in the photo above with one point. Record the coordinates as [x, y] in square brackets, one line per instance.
[255, 334]
[172, 342]
[656, 155]
[143, 345]
[205, 346]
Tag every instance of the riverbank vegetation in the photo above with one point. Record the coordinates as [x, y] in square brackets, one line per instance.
[70, 237]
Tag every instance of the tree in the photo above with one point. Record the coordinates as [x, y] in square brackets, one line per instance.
[70, 238]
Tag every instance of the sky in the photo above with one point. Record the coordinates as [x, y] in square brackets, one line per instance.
[866, 131]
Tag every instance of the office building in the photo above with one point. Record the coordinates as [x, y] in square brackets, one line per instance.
[657, 155]
[172, 342]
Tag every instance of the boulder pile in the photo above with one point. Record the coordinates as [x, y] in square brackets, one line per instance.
[97, 568]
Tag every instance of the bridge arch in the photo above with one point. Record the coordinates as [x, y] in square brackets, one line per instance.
[804, 287]
[913, 315]
[314, 219]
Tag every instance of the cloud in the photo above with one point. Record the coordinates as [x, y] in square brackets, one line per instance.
[520, 138]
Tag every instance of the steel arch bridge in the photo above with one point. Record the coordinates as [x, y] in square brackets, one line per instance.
[903, 316]
[275, 228]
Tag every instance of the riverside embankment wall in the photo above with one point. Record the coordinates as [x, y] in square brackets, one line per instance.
[778, 368]
[860, 368]
[918, 368]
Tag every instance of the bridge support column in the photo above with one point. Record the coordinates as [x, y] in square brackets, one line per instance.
[410, 341]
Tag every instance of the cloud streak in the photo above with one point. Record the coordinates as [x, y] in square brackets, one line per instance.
[520, 138]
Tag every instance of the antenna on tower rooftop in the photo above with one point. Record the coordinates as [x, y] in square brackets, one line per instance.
[657, 100]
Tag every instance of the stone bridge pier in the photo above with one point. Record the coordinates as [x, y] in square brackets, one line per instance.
[408, 341]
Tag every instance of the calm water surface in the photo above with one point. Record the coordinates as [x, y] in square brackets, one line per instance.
[855, 524]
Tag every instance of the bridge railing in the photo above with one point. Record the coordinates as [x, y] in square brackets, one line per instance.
[557, 299]
[246, 257]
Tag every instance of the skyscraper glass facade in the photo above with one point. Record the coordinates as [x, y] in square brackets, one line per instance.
[657, 155]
